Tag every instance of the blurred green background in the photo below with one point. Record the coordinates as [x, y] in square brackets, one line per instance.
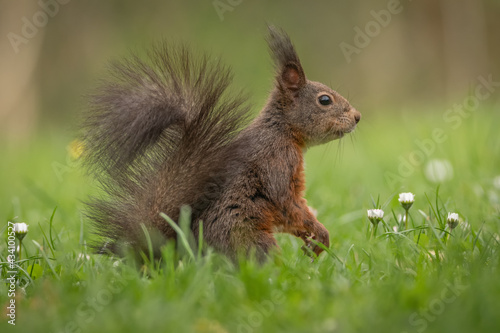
[426, 53]
[411, 67]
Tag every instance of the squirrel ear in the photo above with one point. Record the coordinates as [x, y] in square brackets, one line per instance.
[292, 77]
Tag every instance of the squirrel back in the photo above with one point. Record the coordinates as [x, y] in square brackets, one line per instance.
[163, 132]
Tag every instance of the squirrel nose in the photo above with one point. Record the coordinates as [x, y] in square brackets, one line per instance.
[357, 115]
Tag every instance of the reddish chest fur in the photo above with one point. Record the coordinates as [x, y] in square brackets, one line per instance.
[298, 179]
[293, 210]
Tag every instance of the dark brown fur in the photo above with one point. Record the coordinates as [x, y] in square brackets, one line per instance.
[162, 133]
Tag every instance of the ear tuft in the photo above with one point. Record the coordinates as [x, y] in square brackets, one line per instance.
[290, 73]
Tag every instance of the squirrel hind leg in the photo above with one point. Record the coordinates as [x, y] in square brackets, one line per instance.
[250, 242]
[240, 239]
[266, 243]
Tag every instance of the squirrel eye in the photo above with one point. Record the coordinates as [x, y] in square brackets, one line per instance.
[324, 100]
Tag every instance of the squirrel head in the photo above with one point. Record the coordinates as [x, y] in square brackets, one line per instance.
[316, 113]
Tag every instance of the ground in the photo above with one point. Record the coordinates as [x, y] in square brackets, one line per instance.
[424, 278]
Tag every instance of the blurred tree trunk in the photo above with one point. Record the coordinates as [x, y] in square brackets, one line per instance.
[19, 99]
[465, 44]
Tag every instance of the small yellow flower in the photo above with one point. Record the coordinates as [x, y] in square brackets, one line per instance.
[75, 149]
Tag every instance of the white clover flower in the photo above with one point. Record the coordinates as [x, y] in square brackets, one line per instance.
[20, 229]
[496, 182]
[82, 256]
[438, 171]
[375, 215]
[452, 220]
[407, 197]
[406, 200]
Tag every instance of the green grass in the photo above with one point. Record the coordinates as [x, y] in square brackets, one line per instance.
[423, 279]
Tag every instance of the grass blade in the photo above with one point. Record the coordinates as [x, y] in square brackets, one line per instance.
[180, 234]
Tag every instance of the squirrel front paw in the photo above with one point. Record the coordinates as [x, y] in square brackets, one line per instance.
[319, 234]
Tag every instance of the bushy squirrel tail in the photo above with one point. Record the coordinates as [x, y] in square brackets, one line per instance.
[156, 138]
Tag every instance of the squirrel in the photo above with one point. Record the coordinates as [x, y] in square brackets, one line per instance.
[164, 132]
